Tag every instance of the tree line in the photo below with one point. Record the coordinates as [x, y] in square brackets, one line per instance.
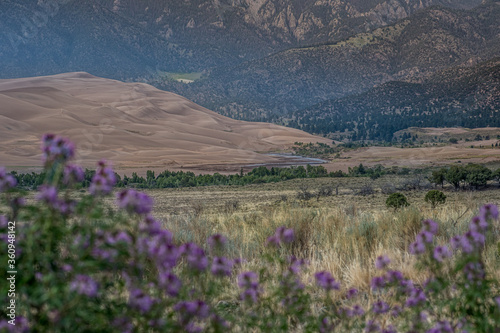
[459, 176]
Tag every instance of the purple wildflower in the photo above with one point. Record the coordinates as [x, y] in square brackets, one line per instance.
[430, 226]
[478, 224]
[351, 293]
[441, 252]
[296, 264]
[382, 262]
[170, 282]
[474, 271]
[135, 202]
[188, 310]
[140, 301]
[417, 296]
[393, 276]
[462, 243]
[48, 194]
[84, 285]
[159, 247]
[282, 235]
[6, 181]
[425, 237]
[378, 282]
[476, 238]
[380, 307]
[489, 211]
[357, 310]
[118, 237]
[417, 247]
[56, 148]
[273, 241]
[249, 282]
[195, 256]
[287, 235]
[103, 180]
[72, 174]
[326, 281]
[250, 295]
[221, 266]
[406, 286]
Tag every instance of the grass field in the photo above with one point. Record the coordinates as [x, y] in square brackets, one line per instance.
[341, 233]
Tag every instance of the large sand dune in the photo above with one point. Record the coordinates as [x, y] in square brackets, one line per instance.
[134, 125]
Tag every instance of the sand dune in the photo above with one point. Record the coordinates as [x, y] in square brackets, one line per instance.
[132, 124]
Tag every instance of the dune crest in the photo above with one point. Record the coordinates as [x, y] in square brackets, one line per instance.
[132, 124]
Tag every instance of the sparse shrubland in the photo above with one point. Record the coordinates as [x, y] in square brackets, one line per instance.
[85, 264]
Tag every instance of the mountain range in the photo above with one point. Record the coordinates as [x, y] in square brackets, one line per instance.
[273, 87]
[325, 66]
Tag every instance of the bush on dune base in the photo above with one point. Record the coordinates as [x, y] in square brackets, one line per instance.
[84, 266]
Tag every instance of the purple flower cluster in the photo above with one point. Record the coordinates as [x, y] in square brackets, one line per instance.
[249, 282]
[424, 238]
[105, 244]
[382, 262]
[140, 301]
[282, 235]
[135, 202]
[195, 256]
[473, 240]
[6, 180]
[326, 281]
[103, 180]
[380, 307]
[221, 266]
[189, 312]
[296, 265]
[417, 297]
[49, 195]
[440, 253]
[72, 174]
[56, 149]
[390, 277]
[84, 285]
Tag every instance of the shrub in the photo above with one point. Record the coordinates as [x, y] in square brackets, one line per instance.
[396, 200]
[477, 175]
[435, 197]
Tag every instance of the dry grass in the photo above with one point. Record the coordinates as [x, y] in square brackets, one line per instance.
[342, 234]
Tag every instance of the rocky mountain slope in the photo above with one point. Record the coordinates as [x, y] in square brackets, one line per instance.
[129, 39]
[272, 87]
